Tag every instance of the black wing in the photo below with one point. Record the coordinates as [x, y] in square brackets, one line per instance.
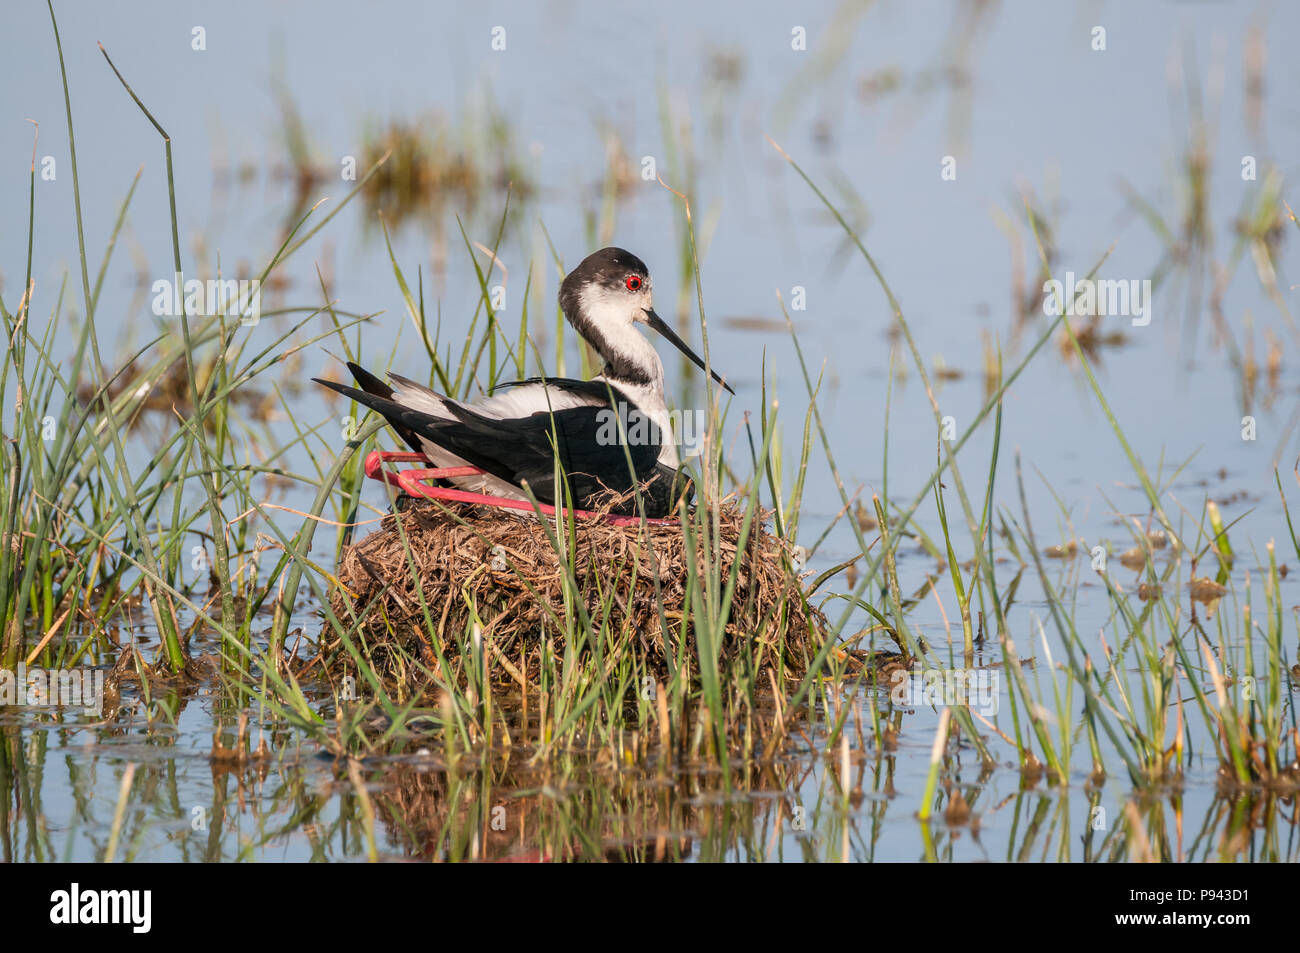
[599, 390]
[586, 440]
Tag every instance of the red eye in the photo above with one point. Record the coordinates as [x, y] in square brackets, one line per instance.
[633, 282]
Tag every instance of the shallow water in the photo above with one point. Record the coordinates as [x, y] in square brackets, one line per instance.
[1012, 92]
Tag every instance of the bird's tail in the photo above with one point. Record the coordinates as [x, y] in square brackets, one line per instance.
[380, 397]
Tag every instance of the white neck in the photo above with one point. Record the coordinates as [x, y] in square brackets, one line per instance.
[650, 401]
[612, 330]
[628, 345]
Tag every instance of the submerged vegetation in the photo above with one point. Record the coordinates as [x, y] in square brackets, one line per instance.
[613, 690]
[430, 167]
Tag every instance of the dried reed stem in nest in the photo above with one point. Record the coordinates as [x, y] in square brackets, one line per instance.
[504, 569]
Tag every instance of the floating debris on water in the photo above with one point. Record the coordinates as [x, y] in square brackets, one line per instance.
[1206, 591]
[1149, 591]
[1134, 558]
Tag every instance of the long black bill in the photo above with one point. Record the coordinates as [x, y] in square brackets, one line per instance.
[658, 324]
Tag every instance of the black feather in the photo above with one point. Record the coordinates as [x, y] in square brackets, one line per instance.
[524, 450]
[371, 384]
[599, 390]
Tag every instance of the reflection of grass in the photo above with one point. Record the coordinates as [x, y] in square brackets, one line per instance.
[81, 515]
[435, 166]
[1192, 267]
[170, 392]
[1139, 730]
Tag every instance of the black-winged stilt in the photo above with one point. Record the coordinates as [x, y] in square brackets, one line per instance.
[499, 443]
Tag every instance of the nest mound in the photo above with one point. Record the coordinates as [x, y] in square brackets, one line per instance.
[503, 569]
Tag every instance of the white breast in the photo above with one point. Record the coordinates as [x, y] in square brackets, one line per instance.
[649, 399]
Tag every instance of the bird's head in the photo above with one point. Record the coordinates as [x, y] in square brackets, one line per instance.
[607, 295]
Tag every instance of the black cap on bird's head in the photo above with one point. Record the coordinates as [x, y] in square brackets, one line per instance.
[609, 268]
[613, 286]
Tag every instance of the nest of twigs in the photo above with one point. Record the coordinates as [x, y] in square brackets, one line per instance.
[502, 568]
